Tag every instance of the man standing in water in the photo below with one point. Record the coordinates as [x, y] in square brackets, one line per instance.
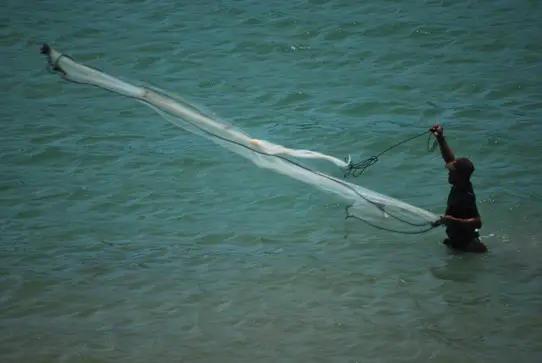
[461, 218]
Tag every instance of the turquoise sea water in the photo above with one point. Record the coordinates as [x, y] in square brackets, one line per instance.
[126, 239]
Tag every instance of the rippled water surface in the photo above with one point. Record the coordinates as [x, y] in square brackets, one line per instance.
[126, 239]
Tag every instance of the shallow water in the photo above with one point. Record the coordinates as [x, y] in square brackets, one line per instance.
[125, 238]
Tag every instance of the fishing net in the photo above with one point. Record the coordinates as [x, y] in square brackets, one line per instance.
[377, 210]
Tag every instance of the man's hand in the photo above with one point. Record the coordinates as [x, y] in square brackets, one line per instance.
[445, 220]
[437, 130]
[445, 150]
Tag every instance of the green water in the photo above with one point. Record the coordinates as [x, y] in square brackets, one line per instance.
[126, 239]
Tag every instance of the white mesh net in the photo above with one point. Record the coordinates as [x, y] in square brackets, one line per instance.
[371, 207]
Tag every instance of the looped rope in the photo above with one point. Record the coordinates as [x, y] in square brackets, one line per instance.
[356, 169]
[429, 225]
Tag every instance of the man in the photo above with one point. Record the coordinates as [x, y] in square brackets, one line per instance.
[461, 218]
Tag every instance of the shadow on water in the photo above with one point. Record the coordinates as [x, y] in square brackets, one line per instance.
[460, 267]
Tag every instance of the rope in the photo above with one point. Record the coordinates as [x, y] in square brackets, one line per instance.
[359, 168]
[430, 225]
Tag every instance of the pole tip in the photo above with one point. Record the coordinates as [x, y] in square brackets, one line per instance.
[45, 49]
